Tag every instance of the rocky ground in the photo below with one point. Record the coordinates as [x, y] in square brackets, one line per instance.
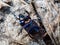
[47, 10]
